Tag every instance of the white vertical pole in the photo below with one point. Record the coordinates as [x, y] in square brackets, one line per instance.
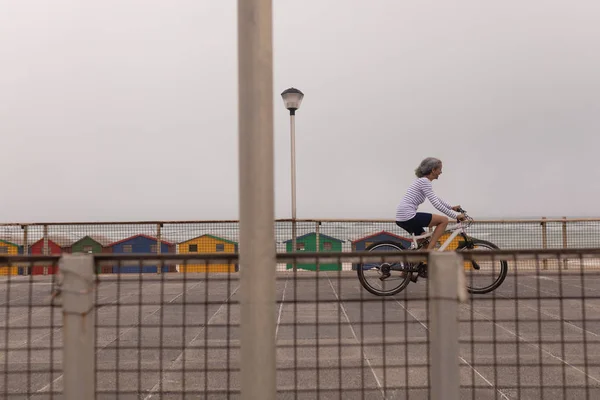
[257, 215]
[77, 294]
[446, 287]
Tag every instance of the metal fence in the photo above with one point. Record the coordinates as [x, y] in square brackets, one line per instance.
[84, 334]
[31, 330]
[195, 237]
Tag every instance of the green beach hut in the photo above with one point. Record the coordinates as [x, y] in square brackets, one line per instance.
[308, 243]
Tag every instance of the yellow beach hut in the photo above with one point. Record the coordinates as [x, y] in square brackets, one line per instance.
[207, 244]
[8, 249]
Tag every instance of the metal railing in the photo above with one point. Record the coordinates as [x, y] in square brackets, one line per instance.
[193, 237]
[83, 334]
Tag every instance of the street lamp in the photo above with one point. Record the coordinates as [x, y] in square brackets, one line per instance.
[292, 98]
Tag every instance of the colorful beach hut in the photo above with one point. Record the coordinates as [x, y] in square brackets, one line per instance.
[94, 244]
[9, 249]
[56, 246]
[208, 244]
[91, 244]
[308, 243]
[140, 244]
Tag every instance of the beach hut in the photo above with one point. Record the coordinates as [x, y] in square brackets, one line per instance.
[8, 249]
[308, 243]
[56, 246]
[91, 244]
[140, 244]
[208, 244]
[361, 244]
[94, 244]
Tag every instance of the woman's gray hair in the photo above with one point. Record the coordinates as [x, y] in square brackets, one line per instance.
[426, 166]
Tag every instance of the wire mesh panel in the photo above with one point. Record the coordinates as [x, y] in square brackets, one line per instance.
[366, 332]
[30, 331]
[337, 340]
[536, 336]
[170, 335]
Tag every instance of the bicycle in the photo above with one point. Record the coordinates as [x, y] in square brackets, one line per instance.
[402, 273]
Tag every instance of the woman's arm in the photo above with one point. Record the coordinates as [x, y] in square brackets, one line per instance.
[439, 204]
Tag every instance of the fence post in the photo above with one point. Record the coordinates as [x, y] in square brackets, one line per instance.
[565, 241]
[158, 266]
[77, 293]
[544, 241]
[257, 203]
[294, 234]
[446, 288]
[26, 266]
[317, 247]
[45, 249]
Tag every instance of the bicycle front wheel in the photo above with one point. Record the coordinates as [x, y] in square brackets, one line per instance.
[484, 276]
[382, 278]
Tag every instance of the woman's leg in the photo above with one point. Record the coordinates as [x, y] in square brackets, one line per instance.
[440, 222]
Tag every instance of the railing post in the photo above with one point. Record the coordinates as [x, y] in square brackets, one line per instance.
[565, 241]
[257, 202]
[158, 266]
[294, 234]
[45, 249]
[446, 288]
[77, 293]
[26, 248]
[317, 246]
[544, 241]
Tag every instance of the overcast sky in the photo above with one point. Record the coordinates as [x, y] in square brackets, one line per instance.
[127, 110]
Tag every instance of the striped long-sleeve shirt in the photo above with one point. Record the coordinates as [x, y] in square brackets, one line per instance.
[415, 195]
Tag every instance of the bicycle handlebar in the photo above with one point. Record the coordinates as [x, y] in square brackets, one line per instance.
[467, 219]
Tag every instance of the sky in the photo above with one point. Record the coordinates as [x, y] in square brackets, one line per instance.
[127, 110]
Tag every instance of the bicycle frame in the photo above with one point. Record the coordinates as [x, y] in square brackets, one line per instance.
[460, 229]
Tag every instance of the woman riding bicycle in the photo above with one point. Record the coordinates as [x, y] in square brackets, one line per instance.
[412, 221]
[390, 277]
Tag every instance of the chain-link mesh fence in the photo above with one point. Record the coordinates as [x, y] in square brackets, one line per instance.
[31, 328]
[177, 335]
[222, 237]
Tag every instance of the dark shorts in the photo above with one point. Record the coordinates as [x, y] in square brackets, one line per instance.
[416, 224]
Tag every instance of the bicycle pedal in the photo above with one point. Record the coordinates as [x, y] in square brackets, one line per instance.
[414, 277]
[384, 276]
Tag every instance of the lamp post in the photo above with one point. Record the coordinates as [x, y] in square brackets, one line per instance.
[292, 98]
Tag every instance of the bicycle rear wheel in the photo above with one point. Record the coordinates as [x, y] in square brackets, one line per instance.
[484, 276]
[370, 274]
